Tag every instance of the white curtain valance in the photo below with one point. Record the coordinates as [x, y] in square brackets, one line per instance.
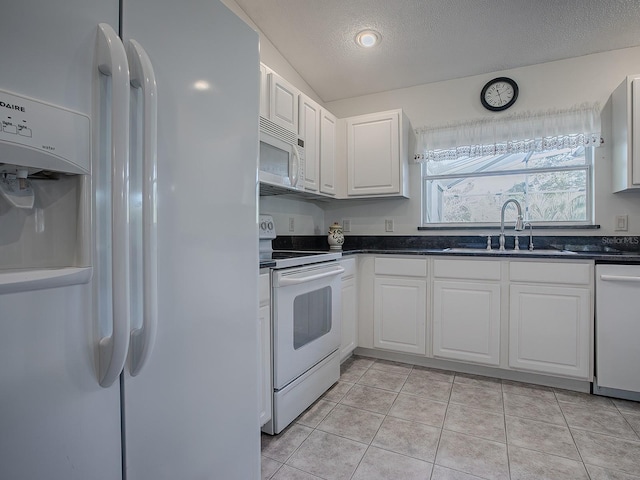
[515, 133]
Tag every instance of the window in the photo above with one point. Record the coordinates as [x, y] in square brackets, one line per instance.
[554, 187]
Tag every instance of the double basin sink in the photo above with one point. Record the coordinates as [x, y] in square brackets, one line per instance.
[480, 251]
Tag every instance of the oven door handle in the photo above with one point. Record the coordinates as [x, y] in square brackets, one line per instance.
[297, 280]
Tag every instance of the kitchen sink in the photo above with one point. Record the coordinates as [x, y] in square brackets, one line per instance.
[480, 251]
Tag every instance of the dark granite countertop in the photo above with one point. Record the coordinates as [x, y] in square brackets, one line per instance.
[601, 249]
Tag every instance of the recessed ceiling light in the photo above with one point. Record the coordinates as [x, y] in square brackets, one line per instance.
[368, 38]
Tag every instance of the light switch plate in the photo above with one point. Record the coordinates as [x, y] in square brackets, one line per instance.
[388, 225]
[346, 226]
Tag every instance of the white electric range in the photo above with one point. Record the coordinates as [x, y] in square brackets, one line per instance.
[306, 310]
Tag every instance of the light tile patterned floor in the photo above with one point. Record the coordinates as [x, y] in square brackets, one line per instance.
[386, 421]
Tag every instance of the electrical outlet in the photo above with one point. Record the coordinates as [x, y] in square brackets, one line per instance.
[622, 223]
[291, 224]
[346, 226]
[388, 225]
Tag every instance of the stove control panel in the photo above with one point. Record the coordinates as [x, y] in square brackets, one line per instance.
[267, 227]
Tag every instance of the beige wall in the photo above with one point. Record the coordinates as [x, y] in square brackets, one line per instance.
[560, 84]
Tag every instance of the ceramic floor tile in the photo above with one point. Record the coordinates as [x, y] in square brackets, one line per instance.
[352, 423]
[335, 393]
[534, 408]
[417, 384]
[360, 361]
[528, 389]
[634, 421]
[391, 367]
[268, 467]
[442, 473]
[280, 447]
[379, 464]
[434, 374]
[369, 398]
[599, 473]
[463, 419]
[419, 409]
[541, 436]
[473, 455]
[351, 370]
[476, 396]
[328, 456]
[569, 396]
[608, 452]
[608, 422]
[408, 438]
[478, 381]
[290, 473]
[383, 379]
[627, 406]
[316, 413]
[527, 464]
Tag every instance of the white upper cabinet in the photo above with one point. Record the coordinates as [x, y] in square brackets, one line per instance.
[327, 153]
[309, 130]
[283, 102]
[626, 135]
[377, 155]
[264, 91]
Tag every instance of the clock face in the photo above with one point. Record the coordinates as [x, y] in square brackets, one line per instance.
[499, 94]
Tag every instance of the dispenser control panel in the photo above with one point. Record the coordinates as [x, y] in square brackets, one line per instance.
[38, 135]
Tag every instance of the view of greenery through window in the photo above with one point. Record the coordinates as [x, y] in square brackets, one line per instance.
[552, 187]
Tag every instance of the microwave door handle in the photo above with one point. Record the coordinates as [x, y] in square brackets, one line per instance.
[295, 166]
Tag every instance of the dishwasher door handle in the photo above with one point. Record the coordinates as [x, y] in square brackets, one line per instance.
[619, 278]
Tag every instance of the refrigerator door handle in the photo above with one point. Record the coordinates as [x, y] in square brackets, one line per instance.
[143, 77]
[112, 61]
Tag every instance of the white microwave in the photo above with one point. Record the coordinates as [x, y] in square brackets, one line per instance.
[281, 156]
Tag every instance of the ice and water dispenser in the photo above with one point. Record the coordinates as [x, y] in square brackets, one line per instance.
[45, 188]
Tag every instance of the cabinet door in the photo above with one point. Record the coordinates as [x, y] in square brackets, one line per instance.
[400, 314]
[349, 340]
[466, 321]
[549, 329]
[283, 103]
[264, 91]
[309, 130]
[373, 154]
[264, 316]
[328, 153]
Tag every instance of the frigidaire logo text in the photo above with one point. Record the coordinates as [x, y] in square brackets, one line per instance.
[11, 106]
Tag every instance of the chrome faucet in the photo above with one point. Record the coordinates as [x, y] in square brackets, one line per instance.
[519, 221]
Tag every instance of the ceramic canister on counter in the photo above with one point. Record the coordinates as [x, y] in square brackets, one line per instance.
[336, 237]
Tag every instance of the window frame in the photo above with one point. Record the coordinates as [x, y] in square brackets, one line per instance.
[588, 168]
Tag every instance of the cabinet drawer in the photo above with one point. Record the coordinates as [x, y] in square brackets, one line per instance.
[467, 269]
[404, 267]
[264, 288]
[551, 272]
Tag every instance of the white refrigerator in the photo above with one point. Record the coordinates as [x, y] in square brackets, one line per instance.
[82, 303]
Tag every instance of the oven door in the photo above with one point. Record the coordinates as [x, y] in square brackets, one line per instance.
[307, 318]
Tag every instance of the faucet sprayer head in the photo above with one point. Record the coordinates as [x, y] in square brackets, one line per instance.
[520, 226]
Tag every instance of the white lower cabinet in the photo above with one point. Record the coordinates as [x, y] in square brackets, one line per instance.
[551, 318]
[466, 310]
[400, 305]
[550, 329]
[349, 339]
[264, 319]
[466, 321]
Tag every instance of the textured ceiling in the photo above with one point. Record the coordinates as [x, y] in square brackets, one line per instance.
[426, 41]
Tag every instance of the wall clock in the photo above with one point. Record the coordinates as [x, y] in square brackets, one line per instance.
[499, 94]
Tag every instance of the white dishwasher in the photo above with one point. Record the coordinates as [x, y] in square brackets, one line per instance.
[617, 331]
